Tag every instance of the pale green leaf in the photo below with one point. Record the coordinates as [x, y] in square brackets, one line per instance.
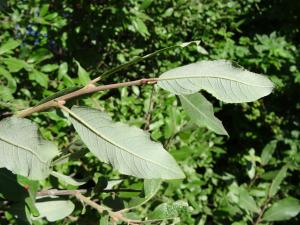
[11, 82]
[246, 201]
[151, 187]
[15, 65]
[220, 78]
[140, 26]
[284, 209]
[267, 152]
[277, 181]
[201, 112]
[9, 45]
[67, 179]
[39, 77]
[23, 151]
[54, 210]
[112, 183]
[168, 211]
[49, 68]
[62, 70]
[6, 93]
[128, 149]
[83, 75]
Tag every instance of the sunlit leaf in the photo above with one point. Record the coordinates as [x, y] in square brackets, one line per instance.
[284, 209]
[167, 211]
[128, 149]
[201, 112]
[68, 179]
[267, 152]
[54, 210]
[9, 45]
[246, 201]
[220, 78]
[277, 181]
[83, 75]
[23, 151]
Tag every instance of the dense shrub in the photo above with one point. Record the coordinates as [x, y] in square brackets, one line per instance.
[61, 44]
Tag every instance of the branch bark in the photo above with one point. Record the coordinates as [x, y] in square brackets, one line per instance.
[88, 89]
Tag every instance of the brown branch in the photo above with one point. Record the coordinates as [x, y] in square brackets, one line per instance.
[150, 109]
[88, 89]
[262, 211]
[53, 192]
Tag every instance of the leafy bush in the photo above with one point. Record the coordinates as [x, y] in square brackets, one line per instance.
[45, 46]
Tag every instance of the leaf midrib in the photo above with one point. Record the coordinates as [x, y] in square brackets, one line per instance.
[113, 143]
[219, 77]
[25, 148]
[193, 106]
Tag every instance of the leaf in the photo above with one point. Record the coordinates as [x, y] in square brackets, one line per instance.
[284, 209]
[39, 55]
[54, 210]
[141, 58]
[140, 26]
[10, 189]
[246, 201]
[127, 149]
[112, 183]
[60, 93]
[39, 77]
[15, 65]
[201, 112]
[267, 152]
[277, 181]
[67, 179]
[83, 75]
[31, 187]
[62, 70]
[6, 94]
[167, 211]
[11, 82]
[9, 45]
[220, 78]
[151, 187]
[23, 151]
[49, 68]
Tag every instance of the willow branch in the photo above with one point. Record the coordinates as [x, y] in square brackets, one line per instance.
[88, 89]
[55, 192]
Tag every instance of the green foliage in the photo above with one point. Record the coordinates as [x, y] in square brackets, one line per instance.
[55, 47]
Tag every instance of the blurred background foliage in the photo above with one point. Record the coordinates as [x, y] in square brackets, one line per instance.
[47, 46]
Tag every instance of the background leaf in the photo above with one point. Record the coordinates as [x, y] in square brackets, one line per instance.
[246, 201]
[277, 181]
[284, 209]
[267, 152]
[201, 112]
[167, 211]
[83, 75]
[9, 45]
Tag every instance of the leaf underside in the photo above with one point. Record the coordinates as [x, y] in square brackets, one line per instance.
[201, 112]
[128, 149]
[220, 78]
[22, 150]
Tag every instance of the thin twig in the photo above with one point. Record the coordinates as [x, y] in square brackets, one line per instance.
[88, 89]
[150, 109]
[262, 211]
